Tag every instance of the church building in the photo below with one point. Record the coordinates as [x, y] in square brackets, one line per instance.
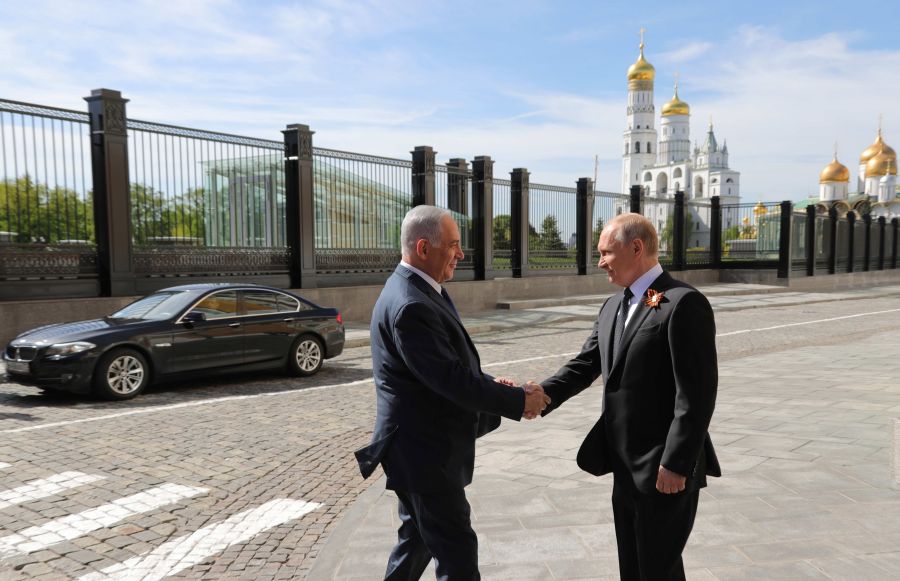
[664, 164]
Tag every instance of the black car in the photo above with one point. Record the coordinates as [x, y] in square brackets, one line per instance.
[196, 328]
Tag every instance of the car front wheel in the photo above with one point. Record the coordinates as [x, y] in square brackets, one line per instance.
[306, 356]
[121, 374]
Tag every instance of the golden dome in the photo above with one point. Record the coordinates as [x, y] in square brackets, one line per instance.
[875, 149]
[676, 106]
[641, 73]
[882, 164]
[835, 172]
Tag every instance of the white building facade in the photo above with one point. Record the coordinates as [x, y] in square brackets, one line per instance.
[664, 164]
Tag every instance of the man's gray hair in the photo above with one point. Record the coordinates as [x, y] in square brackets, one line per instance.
[421, 222]
[630, 226]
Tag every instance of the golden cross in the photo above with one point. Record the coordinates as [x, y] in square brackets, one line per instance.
[643, 30]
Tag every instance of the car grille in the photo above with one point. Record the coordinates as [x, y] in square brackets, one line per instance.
[21, 353]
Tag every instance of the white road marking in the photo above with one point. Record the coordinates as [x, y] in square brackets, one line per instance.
[807, 323]
[179, 554]
[364, 381]
[4, 465]
[73, 526]
[45, 487]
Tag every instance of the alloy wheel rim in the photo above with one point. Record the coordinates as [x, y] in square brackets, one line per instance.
[125, 374]
[308, 355]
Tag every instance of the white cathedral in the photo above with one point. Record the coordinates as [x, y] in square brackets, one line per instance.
[663, 165]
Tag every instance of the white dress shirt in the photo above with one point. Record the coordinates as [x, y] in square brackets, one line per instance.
[433, 283]
[639, 287]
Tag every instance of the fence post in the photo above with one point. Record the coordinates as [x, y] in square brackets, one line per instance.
[715, 232]
[584, 213]
[457, 192]
[784, 240]
[851, 242]
[299, 208]
[882, 223]
[678, 233]
[832, 242]
[810, 240]
[895, 224]
[635, 194]
[483, 216]
[867, 254]
[520, 226]
[423, 175]
[112, 192]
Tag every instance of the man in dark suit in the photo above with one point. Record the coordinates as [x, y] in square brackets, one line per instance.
[655, 346]
[433, 400]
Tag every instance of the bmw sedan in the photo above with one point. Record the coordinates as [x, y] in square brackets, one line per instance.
[197, 328]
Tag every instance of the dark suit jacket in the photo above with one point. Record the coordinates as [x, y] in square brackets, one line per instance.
[433, 400]
[659, 393]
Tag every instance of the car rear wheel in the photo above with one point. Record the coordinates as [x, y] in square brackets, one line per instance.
[121, 374]
[306, 356]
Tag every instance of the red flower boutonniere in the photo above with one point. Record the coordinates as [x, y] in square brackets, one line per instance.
[653, 299]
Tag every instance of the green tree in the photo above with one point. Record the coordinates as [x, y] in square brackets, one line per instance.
[550, 237]
[668, 234]
[598, 227]
[502, 232]
[36, 213]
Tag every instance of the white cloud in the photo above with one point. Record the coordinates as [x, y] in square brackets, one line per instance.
[688, 52]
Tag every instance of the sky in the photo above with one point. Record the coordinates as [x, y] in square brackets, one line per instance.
[532, 83]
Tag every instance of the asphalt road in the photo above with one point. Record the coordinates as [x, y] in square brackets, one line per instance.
[244, 476]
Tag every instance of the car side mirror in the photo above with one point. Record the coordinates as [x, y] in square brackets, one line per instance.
[193, 317]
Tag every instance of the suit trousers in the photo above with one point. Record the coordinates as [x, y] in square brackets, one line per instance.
[651, 530]
[434, 526]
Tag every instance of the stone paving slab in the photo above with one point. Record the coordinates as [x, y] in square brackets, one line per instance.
[804, 438]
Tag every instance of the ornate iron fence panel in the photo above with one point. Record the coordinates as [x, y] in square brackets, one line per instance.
[209, 261]
[859, 244]
[750, 234]
[201, 188]
[46, 207]
[697, 233]
[551, 232]
[823, 244]
[798, 241]
[843, 244]
[661, 212]
[607, 205]
[502, 243]
[360, 202]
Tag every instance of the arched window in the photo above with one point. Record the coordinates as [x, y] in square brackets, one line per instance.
[626, 149]
[648, 177]
[677, 173]
[648, 147]
[729, 181]
[637, 146]
[698, 187]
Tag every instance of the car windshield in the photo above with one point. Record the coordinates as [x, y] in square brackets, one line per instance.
[157, 307]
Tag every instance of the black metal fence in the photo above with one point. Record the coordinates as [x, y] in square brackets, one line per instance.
[93, 203]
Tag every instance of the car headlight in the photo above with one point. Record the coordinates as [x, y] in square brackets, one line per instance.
[63, 349]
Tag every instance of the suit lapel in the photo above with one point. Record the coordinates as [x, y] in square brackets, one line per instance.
[660, 284]
[605, 334]
[436, 298]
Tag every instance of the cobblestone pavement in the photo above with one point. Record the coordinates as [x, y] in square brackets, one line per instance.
[245, 477]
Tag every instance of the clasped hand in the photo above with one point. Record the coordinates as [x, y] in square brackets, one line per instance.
[535, 398]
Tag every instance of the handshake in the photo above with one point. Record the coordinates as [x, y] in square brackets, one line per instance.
[535, 398]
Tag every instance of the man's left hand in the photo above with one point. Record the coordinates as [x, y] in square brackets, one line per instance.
[669, 482]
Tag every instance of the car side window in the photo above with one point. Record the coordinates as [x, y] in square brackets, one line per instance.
[260, 302]
[219, 305]
[288, 304]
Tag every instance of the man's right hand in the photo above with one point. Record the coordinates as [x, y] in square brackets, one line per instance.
[535, 400]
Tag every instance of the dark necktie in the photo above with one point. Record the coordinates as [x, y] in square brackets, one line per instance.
[449, 302]
[620, 321]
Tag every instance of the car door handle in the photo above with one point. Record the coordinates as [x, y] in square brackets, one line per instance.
[289, 320]
[234, 325]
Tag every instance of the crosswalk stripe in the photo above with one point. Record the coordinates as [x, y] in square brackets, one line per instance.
[184, 552]
[4, 465]
[73, 526]
[45, 487]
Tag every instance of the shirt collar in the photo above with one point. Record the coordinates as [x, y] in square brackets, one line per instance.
[431, 282]
[640, 286]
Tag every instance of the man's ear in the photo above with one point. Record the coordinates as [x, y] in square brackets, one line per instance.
[637, 245]
[422, 247]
